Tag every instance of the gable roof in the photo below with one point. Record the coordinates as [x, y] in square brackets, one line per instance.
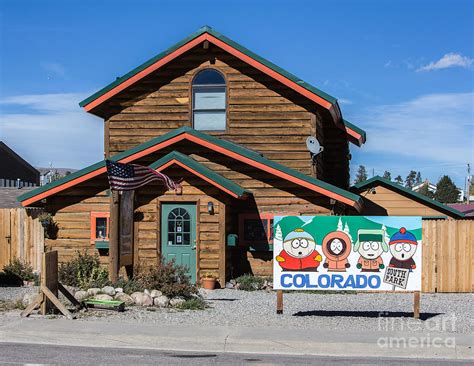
[221, 146]
[377, 180]
[201, 171]
[4, 147]
[206, 33]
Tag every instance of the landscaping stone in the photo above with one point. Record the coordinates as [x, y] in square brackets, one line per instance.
[176, 301]
[136, 296]
[127, 299]
[119, 289]
[108, 290]
[142, 299]
[146, 292]
[29, 298]
[103, 297]
[155, 293]
[93, 291]
[81, 295]
[161, 301]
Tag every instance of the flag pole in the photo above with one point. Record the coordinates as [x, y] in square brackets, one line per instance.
[114, 255]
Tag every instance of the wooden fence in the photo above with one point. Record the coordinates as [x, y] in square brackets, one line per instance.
[448, 256]
[21, 236]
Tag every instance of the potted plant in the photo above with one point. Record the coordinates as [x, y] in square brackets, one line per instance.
[208, 282]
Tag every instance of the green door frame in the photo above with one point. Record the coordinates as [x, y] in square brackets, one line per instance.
[181, 243]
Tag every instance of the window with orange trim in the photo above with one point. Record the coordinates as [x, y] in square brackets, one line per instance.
[256, 229]
[99, 226]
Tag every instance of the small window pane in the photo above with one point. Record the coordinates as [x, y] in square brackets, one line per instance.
[209, 121]
[207, 77]
[101, 228]
[255, 230]
[209, 98]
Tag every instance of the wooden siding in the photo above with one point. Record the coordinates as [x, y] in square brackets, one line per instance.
[387, 202]
[262, 114]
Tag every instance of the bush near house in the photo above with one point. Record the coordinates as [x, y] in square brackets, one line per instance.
[249, 282]
[83, 271]
[16, 272]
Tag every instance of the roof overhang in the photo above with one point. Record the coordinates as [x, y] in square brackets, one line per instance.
[224, 147]
[380, 181]
[201, 171]
[316, 95]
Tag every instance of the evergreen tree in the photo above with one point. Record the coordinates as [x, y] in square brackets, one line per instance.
[386, 237]
[361, 174]
[418, 179]
[339, 225]
[424, 190]
[446, 190]
[347, 231]
[387, 175]
[410, 179]
[399, 180]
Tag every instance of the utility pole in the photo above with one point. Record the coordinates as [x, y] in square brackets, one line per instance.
[468, 183]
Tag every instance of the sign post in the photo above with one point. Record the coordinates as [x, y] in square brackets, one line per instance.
[340, 253]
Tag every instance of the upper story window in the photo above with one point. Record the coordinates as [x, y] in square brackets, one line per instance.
[209, 101]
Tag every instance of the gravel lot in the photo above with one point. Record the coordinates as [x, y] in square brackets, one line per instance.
[307, 310]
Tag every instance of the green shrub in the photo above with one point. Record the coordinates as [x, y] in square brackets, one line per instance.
[19, 268]
[10, 280]
[193, 303]
[169, 278]
[249, 282]
[83, 271]
[129, 286]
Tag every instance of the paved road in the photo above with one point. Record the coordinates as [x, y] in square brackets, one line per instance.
[38, 354]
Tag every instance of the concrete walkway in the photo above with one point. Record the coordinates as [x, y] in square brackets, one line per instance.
[208, 338]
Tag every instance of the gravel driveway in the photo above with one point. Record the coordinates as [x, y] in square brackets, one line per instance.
[439, 312]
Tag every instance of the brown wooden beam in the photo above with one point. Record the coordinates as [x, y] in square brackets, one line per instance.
[114, 255]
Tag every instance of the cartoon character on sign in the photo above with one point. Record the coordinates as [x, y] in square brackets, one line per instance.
[336, 247]
[403, 246]
[299, 252]
[370, 245]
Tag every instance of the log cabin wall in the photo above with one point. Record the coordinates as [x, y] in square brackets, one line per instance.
[262, 114]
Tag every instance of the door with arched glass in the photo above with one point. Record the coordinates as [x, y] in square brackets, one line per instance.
[178, 235]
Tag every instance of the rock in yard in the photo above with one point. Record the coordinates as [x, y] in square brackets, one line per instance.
[161, 301]
[127, 299]
[155, 293]
[28, 298]
[103, 297]
[93, 291]
[81, 295]
[142, 299]
[119, 289]
[146, 292]
[176, 301]
[108, 290]
[229, 285]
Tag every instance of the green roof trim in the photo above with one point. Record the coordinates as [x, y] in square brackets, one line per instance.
[193, 164]
[356, 129]
[240, 150]
[202, 30]
[407, 192]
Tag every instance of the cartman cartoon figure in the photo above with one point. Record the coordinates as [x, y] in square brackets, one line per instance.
[299, 252]
[336, 247]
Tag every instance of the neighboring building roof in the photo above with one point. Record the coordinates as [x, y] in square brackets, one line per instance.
[221, 146]
[377, 180]
[201, 171]
[206, 33]
[17, 157]
[466, 208]
[8, 196]
[431, 186]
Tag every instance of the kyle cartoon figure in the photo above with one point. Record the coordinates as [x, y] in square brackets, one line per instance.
[336, 247]
[370, 245]
[403, 246]
[299, 252]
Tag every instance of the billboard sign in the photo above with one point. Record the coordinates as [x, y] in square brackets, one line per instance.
[374, 253]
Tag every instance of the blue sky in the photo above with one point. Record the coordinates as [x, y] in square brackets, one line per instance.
[402, 70]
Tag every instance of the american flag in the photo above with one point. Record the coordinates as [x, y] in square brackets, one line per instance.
[127, 177]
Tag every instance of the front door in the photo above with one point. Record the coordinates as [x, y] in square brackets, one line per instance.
[178, 235]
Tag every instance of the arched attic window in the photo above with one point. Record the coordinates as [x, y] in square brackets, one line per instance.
[209, 101]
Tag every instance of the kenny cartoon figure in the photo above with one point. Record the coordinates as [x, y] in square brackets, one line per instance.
[370, 245]
[403, 246]
[299, 252]
[336, 247]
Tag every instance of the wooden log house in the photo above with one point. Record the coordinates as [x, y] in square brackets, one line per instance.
[230, 124]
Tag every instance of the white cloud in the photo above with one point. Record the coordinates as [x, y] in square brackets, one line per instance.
[448, 60]
[47, 128]
[345, 101]
[54, 69]
[436, 127]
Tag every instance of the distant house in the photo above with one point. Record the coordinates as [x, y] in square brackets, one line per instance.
[16, 171]
[432, 189]
[48, 175]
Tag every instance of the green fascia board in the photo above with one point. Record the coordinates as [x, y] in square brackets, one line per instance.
[193, 164]
[407, 192]
[207, 29]
[356, 129]
[223, 143]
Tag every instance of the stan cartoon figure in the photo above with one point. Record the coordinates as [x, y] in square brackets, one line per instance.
[370, 245]
[403, 246]
[299, 252]
[336, 247]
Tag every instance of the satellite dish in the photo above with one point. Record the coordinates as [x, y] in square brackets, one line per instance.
[313, 145]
